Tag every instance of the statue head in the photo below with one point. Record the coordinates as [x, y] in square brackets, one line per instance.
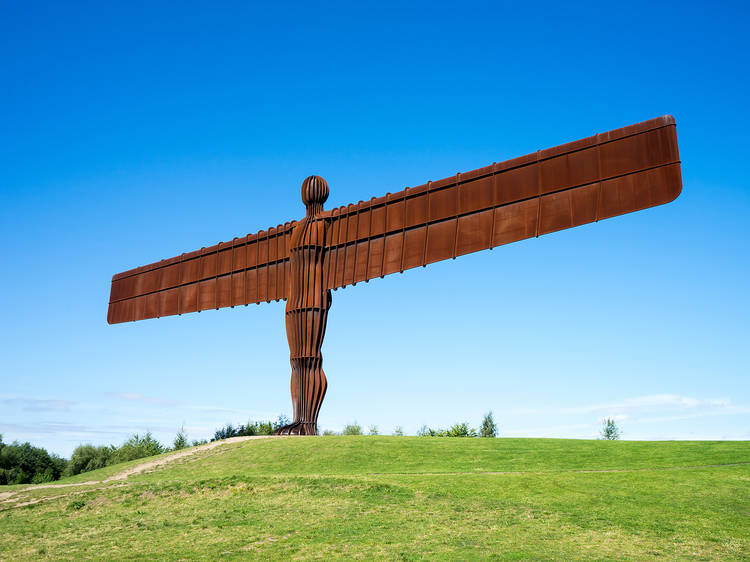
[314, 194]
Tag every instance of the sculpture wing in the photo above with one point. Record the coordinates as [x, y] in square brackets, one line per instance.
[595, 178]
[247, 270]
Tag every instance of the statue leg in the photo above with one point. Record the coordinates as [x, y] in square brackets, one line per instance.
[305, 330]
[308, 390]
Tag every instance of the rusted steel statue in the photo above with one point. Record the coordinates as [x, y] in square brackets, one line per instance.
[595, 178]
[307, 304]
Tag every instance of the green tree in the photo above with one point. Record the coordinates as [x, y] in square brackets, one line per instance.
[373, 430]
[89, 457]
[20, 463]
[609, 430]
[489, 427]
[398, 431]
[180, 440]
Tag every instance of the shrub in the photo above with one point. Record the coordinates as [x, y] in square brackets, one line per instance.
[457, 430]
[47, 475]
[609, 430]
[281, 421]
[425, 431]
[352, 429]
[461, 430]
[488, 428]
[224, 432]
[399, 431]
[137, 447]
[373, 430]
[266, 428]
[329, 432]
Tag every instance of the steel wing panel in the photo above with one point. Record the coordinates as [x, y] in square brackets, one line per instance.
[246, 270]
[608, 174]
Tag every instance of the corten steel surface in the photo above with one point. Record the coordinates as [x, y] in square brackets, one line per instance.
[307, 310]
[595, 178]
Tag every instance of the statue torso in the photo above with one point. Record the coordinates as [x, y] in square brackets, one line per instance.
[307, 287]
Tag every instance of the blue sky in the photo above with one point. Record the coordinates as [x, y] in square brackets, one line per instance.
[132, 133]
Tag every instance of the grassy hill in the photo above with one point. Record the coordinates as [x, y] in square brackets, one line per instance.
[401, 498]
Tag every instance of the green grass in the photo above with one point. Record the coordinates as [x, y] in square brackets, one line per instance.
[405, 498]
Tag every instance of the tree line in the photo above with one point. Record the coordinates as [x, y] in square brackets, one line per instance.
[250, 428]
[22, 463]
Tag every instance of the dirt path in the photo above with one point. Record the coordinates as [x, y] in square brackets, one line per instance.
[7, 497]
[143, 467]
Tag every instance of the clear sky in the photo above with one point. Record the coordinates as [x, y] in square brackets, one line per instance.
[133, 132]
